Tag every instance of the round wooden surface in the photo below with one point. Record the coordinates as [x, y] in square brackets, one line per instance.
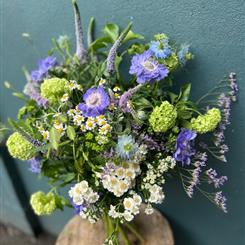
[154, 228]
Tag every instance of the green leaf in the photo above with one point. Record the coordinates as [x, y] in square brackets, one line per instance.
[68, 178]
[20, 96]
[79, 166]
[90, 31]
[185, 92]
[173, 97]
[99, 43]
[54, 138]
[71, 132]
[111, 30]
[117, 65]
[131, 35]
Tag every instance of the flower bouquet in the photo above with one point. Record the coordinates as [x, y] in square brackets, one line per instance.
[114, 139]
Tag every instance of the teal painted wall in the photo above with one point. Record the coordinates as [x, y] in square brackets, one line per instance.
[216, 31]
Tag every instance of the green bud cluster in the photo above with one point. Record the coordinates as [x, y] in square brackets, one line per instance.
[207, 122]
[43, 204]
[19, 147]
[163, 117]
[53, 89]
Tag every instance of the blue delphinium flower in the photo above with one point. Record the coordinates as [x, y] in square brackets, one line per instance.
[35, 165]
[146, 68]
[96, 102]
[184, 149]
[78, 208]
[44, 65]
[126, 146]
[184, 51]
[160, 49]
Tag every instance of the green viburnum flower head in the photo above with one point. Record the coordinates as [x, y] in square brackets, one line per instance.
[163, 117]
[160, 36]
[19, 147]
[53, 89]
[207, 122]
[43, 204]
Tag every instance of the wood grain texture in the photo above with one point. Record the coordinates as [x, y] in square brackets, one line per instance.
[154, 228]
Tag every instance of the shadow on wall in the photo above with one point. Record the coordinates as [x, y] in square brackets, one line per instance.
[20, 191]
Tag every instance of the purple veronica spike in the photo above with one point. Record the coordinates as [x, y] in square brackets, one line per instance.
[126, 96]
[184, 148]
[96, 102]
[81, 52]
[146, 68]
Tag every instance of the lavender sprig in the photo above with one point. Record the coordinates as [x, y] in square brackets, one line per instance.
[113, 51]
[213, 178]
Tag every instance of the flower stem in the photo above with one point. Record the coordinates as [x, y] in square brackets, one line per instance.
[124, 236]
[134, 231]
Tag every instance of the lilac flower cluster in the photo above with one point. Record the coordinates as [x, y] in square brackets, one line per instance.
[200, 162]
[213, 178]
[184, 149]
[151, 143]
[220, 201]
[146, 68]
[224, 102]
[32, 90]
[44, 65]
[35, 165]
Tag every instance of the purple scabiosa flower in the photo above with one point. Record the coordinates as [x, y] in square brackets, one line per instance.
[213, 178]
[35, 165]
[96, 102]
[146, 68]
[44, 65]
[160, 49]
[184, 148]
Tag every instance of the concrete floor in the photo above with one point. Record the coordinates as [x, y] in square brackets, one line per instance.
[12, 236]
